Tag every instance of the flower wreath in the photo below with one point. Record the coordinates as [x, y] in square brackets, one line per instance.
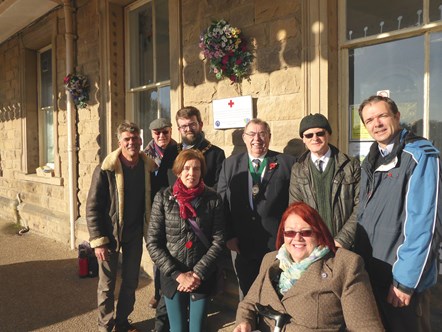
[78, 86]
[227, 51]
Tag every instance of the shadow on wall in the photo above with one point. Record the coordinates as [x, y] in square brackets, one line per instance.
[294, 147]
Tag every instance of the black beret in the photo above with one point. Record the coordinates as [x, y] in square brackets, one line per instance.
[314, 121]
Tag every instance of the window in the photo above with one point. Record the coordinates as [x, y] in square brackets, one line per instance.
[148, 81]
[394, 46]
[45, 108]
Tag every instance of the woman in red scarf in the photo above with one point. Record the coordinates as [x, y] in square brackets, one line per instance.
[185, 240]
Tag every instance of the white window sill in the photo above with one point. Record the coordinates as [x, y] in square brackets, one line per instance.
[40, 179]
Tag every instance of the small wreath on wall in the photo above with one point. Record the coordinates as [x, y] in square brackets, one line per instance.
[227, 51]
[78, 86]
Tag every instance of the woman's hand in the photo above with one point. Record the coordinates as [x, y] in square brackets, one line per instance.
[243, 327]
[188, 281]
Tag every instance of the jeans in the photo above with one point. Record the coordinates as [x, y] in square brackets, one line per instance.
[107, 273]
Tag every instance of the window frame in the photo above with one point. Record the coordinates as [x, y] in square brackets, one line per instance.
[131, 92]
[42, 125]
[345, 45]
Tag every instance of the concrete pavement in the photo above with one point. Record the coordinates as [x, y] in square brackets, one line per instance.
[40, 289]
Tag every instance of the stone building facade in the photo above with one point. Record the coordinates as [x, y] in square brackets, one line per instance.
[277, 85]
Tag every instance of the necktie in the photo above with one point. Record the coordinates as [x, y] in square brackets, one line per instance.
[319, 164]
[256, 164]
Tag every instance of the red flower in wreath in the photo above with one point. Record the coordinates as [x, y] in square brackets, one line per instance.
[189, 244]
[273, 166]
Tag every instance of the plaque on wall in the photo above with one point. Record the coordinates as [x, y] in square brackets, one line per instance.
[232, 112]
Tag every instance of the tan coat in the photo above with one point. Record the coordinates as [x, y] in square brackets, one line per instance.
[332, 292]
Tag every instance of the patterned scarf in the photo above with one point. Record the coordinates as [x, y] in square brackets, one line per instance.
[155, 152]
[185, 196]
[292, 271]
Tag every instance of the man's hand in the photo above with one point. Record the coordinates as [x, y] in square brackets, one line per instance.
[233, 244]
[102, 252]
[337, 244]
[397, 298]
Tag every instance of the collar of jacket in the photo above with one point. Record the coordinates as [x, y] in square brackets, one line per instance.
[113, 164]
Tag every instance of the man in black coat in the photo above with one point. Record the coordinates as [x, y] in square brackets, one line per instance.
[190, 126]
[255, 189]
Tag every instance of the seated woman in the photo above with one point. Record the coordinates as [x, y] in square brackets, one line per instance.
[185, 239]
[319, 287]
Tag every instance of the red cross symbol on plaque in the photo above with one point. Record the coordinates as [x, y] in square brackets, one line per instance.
[231, 103]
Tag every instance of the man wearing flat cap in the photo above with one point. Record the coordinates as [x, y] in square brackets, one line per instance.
[161, 149]
[327, 180]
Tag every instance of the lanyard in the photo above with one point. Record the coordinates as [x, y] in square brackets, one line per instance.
[256, 176]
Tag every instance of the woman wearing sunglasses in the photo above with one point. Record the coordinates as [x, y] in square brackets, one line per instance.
[319, 287]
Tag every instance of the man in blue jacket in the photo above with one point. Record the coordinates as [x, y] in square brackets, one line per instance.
[399, 217]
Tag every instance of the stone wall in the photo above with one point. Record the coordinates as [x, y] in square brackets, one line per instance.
[275, 84]
[43, 204]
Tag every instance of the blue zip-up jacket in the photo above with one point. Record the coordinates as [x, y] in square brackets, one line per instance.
[399, 214]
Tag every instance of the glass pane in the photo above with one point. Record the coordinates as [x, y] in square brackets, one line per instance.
[436, 89]
[435, 10]
[146, 102]
[367, 18]
[46, 78]
[49, 134]
[162, 40]
[164, 97]
[396, 66]
[141, 46]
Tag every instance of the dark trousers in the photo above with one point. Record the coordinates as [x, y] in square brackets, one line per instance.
[414, 317]
[107, 273]
[246, 270]
[161, 319]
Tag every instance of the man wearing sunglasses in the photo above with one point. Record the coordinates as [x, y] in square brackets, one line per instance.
[162, 149]
[327, 180]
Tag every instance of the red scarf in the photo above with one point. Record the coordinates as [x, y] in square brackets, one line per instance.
[185, 196]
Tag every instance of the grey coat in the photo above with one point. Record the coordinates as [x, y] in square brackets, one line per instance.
[345, 192]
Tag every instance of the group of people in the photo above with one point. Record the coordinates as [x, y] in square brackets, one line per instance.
[321, 241]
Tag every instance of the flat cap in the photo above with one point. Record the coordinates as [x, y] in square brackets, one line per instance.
[160, 123]
[314, 121]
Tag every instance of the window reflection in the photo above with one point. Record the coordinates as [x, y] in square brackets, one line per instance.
[396, 66]
[435, 10]
[436, 89]
[367, 18]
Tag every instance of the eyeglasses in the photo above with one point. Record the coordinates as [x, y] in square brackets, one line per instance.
[191, 125]
[303, 233]
[261, 134]
[318, 134]
[159, 132]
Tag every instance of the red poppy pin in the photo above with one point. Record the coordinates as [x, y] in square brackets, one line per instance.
[273, 166]
[189, 244]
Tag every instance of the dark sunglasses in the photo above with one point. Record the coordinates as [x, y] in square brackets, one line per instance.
[165, 132]
[303, 233]
[319, 134]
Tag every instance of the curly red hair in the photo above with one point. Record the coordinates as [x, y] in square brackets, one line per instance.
[311, 217]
